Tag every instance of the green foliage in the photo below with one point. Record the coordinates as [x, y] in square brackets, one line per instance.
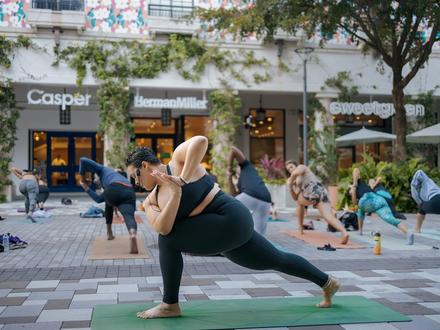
[133, 59]
[400, 34]
[114, 99]
[115, 62]
[8, 123]
[225, 109]
[9, 46]
[396, 177]
[344, 83]
[8, 112]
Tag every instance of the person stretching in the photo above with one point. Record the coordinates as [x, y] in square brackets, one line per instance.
[370, 202]
[307, 190]
[379, 188]
[192, 215]
[29, 189]
[426, 193]
[250, 190]
[118, 192]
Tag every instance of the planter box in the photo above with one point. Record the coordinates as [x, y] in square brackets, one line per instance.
[8, 192]
[280, 196]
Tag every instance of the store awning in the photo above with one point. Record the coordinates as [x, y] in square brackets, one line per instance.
[429, 135]
[363, 136]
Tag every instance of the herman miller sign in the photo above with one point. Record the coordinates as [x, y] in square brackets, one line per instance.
[382, 110]
[177, 103]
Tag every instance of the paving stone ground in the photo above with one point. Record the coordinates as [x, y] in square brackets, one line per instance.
[51, 284]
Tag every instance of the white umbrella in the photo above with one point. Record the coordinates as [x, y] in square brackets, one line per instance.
[363, 136]
[429, 135]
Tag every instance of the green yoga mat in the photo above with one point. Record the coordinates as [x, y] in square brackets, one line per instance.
[277, 220]
[248, 313]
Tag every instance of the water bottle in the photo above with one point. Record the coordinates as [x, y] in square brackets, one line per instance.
[377, 244]
[6, 241]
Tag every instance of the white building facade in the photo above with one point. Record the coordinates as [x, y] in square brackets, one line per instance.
[59, 123]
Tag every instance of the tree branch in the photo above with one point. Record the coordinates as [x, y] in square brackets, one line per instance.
[349, 30]
[374, 40]
[423, 57]
[412, 37]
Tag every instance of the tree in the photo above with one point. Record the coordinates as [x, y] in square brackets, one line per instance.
[402, 33]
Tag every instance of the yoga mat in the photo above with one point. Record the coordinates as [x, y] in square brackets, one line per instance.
[391, 243]
[46, 208]
[249, 313]
[430, 233]
[120, 220]
[276, 220]
[118, 248]
[319, 238]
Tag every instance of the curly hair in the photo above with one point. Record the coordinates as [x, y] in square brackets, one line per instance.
[142, 154]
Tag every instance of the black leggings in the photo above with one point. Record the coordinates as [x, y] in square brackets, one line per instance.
[430, 207]
[226, 227]
[124, 198]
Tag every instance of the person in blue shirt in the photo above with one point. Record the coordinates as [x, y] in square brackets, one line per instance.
[426, 193]
[250, 190]
[118, 192]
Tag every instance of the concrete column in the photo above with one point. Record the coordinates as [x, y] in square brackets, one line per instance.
[324, 119]
[291, 135]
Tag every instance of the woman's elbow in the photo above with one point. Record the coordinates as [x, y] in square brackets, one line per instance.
[201, 140]
[162, 230]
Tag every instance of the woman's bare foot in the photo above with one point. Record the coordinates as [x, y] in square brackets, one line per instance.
[161, 310]
[133, 245]
[345, 237]
[328, 292]
[110, 232]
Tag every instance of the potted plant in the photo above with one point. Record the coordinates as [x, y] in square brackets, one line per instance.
[273, 173]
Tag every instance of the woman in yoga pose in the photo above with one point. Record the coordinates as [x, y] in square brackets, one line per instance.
[191, 214]
[379, 188]
[118, 192]
[250, 190]
[28, 188]
[426, 193]
[370, 202]
[307, 190]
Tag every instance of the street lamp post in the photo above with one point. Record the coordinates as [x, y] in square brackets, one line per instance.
[304, 53]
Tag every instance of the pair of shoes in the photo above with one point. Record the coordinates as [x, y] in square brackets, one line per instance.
[16, 241]
[1, 218]
[400, 216]
[327, 247]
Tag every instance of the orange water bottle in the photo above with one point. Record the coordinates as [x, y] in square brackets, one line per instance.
[377, 244]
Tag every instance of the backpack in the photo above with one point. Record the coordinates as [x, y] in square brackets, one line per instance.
[348, 219]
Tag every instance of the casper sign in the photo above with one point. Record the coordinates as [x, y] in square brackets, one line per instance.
[36, 96]
[383, 110]
[177, 103]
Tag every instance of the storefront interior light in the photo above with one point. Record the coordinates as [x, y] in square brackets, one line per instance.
[269, 128]
[269, 119]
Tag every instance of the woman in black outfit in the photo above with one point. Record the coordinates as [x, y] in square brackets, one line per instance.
[191, 214]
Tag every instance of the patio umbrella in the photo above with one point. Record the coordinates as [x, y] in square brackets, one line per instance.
[363, 136]
[429, 135]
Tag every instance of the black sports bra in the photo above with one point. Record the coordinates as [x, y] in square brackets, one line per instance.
[193, 194]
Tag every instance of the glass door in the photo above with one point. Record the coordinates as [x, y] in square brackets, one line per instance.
[64, 150]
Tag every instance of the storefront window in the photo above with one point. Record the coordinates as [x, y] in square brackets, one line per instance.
[361, 120]
[199, 125]
[267, 135]
[152, 126]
